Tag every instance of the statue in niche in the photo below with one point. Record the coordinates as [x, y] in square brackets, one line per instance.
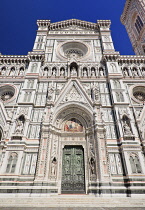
[19, 126]
[21, 72]
[96, 93]
[45, 72]
[134, 73]
[12, 72]
[93, 73]
[101, 72]
[51, 90]
[85, 73]
[73, 71]
[53, 166]
[62, 72]
[126, 125]
[54, 72]
[126, 128]
[92, 165]
[92, 150]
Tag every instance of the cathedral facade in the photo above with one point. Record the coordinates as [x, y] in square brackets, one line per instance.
[72, 114]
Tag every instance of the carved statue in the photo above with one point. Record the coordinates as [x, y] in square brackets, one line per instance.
[19, 126]
[85, 73]
[12, 72]
[92, 166]
[143, 73]
[3, 71]
[134, 73]
[96, 93]
[53, 167]
[101, 73]
[73, 71]
[126, 129]
[54, 72]
[21, 72]
[93, 73]
[51, 90]
[62, 72]
[45, 72]
[50, 117]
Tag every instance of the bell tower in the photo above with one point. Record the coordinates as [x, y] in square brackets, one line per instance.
[133, 18]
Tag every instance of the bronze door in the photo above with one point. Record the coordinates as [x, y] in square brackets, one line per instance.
[73, 176]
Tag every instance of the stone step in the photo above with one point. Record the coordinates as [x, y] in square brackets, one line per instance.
[70, 201]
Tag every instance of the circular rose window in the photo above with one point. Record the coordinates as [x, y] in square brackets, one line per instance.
[6, 92]
[70, 49]
[139, 93]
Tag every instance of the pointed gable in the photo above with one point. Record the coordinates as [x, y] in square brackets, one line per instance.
[73, 92]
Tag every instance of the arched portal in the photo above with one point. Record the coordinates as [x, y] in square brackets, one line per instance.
[75, 126]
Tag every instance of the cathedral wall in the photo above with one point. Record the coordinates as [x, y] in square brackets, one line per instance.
[72, 96]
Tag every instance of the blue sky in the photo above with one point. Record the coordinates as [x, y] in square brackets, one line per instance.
[18, 21]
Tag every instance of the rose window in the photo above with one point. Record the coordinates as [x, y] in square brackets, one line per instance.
[6, 92]
[73, 48]
[139, 93]
[7, 95]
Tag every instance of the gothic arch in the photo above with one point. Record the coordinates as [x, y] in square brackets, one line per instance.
[135, 163]
[77, 111]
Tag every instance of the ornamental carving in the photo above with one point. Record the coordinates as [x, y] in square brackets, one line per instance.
[73, 95]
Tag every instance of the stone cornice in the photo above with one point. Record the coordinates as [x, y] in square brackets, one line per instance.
[13, 59]
[36, 56]
[131, 59]
[43, 23]
[73, 22]
[104, 23]
[110, 56]
[125, 11]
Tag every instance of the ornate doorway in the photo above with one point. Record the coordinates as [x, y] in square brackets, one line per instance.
[73, 175]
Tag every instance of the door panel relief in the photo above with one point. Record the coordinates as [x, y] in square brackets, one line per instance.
[73, 176]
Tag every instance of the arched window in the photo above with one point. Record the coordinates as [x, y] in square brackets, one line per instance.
[34, 67]
[12, 161]
[125, 72]
[119, 97]
[3, 70]
[135, 164]
[116, 84]
[134, 72]
[12, 71]
[138, 24]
